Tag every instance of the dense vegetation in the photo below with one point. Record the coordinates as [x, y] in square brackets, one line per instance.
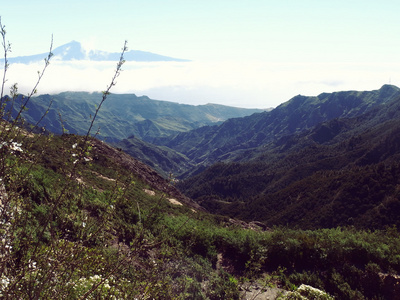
[82, 220]
[339, 173]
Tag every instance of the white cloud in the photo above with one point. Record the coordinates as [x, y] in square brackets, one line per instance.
[245, 84]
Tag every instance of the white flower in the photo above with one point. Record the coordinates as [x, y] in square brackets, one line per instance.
[95, 277]
[74, 145]
[32, 264]
[14, 146]
[4, 281]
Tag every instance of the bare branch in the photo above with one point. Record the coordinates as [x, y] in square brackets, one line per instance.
[107, 91]
[34, 89]
[6, 48]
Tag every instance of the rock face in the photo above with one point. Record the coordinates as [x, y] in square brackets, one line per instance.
[307, 292]
[258, 293]
[255, 292]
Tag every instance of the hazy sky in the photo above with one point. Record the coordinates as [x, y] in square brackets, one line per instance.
[253, 53]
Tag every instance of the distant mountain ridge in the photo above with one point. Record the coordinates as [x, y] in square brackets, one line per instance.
[74, 51]
[237, 139]
[243, 139]
[124, 115]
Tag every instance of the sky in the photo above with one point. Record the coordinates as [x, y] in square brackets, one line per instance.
[253, 53]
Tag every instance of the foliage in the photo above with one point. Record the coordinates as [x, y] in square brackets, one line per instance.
[350, 180]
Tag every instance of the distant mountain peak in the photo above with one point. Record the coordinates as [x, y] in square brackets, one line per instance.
[389, 88]
[71, 51]
[74, 51]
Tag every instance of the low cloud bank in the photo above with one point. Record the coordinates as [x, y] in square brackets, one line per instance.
[245, 84]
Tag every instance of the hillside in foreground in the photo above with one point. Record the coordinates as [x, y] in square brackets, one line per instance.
[81, 219]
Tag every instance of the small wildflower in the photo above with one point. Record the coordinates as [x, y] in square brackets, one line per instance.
[16, 146]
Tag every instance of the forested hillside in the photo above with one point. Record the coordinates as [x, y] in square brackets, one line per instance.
[341, 172]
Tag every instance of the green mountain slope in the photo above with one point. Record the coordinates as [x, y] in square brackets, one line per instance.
[158, 158]
[341, 172]
[125, 115]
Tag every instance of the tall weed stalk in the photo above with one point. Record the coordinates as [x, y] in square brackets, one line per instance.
[47, 248]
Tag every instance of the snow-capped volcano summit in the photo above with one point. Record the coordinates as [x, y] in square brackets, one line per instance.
[74, 51]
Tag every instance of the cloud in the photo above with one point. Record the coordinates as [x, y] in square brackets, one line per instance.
[238, 83]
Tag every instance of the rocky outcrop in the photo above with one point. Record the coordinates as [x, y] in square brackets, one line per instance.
[256, 292]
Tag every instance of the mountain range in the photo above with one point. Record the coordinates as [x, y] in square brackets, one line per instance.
[323, 161]
[239, 139]
[270, 166]
[135, 121]
[75, 51]
[123, 115]
[245, 138]
[342, 171]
